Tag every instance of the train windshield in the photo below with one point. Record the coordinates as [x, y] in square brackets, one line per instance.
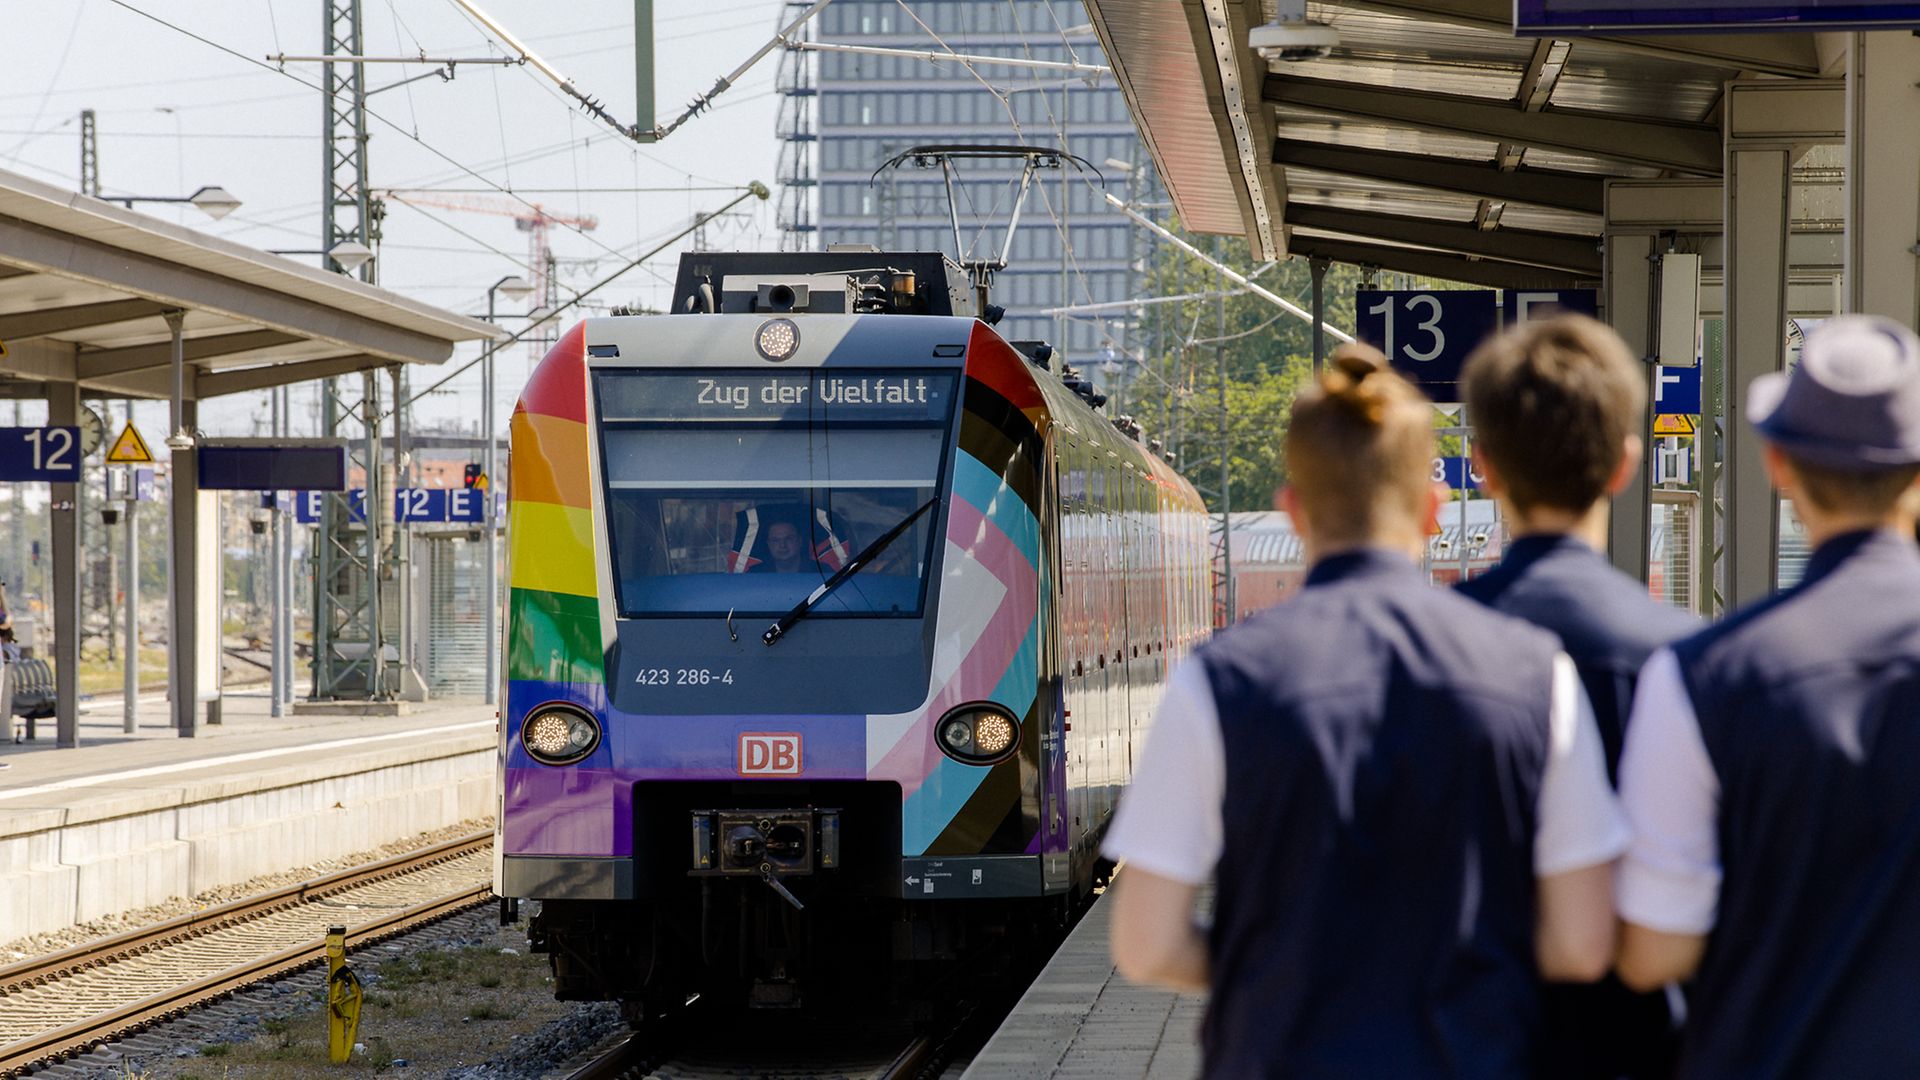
[742, 491]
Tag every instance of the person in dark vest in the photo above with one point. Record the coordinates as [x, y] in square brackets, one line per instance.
[1770, 764]
[1555, 406]
[1399, 795]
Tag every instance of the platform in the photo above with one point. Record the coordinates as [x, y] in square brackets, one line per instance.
[1081, 1019]
[127, 820]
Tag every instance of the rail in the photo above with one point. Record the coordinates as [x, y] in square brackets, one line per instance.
[53, 976]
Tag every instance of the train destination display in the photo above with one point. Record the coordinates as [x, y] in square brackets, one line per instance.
[736, 396]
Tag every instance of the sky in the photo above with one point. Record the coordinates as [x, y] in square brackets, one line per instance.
[175, 113]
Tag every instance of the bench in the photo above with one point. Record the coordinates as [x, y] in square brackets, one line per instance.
[32, 689]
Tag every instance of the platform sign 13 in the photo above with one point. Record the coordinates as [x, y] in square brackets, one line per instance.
[49, 454]
[1427, 334]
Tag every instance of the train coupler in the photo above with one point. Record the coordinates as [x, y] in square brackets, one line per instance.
[767, 844]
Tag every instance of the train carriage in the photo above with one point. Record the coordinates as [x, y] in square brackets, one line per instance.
[833, 621]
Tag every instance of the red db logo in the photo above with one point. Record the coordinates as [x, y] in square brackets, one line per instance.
[770, 753]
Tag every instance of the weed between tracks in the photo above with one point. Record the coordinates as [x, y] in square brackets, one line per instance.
[428, 1012]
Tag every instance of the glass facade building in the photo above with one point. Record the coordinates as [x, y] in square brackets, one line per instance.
[845, 114]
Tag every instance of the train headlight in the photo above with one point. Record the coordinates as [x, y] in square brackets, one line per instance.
[557, 735]
[978, 734]
[777, 339]
[992, 734]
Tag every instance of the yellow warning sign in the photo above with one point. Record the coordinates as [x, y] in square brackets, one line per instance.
[130, 448]
[1669, 424]
[3, 348]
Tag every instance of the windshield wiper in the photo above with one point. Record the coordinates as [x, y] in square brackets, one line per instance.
[854, 565]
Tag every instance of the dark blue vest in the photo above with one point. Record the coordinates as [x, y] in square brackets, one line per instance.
[1604, 619]
[1609, 626]
[1384, 745]
[1809, 705]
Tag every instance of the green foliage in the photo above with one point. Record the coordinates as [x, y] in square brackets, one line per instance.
[1265, 353]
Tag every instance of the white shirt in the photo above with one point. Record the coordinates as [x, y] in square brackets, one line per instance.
[1169, 824]
[1670, 878]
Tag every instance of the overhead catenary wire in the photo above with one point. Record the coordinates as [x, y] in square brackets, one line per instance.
[421, 142]
[1226, 271]
[754, 190]
[591, 104]
[702, 102]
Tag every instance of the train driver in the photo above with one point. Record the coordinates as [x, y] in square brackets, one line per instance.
[786, 549]
[1400, 794]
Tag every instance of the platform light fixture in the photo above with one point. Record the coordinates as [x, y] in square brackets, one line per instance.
[350, 255]
[1292, 36]
[212, 200]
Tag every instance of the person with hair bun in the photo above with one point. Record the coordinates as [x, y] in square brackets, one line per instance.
[1399, 795]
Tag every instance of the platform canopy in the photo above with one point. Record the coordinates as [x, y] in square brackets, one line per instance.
[1431, 141]
[85, 286]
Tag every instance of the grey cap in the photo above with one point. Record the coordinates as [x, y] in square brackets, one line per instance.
[1854, 400]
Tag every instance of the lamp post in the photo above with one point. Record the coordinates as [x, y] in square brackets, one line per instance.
[513, 287]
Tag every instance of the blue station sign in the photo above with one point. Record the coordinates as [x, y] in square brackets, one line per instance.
[1457, 472]
[47, 454]
[1524, 305]
[411, 506]
[1560, 18]
[1427, 334]
[1676, 391]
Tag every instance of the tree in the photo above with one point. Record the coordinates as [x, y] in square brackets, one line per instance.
[1173, 389]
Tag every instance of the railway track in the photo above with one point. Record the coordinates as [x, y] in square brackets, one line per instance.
[55, 1006]
[839, 1051]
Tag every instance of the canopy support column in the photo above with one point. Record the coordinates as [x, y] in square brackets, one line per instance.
[1883, 157]
[63, 410]
[1768, 126]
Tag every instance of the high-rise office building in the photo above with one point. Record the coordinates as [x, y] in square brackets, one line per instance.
[844, 114]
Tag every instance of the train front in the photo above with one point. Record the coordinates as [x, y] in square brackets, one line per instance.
[773, 653]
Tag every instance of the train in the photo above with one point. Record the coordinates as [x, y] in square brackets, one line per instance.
[834, 619]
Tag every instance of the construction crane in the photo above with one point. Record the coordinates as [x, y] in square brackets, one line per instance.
[530, 218]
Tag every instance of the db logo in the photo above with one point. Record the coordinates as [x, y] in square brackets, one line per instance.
[770, 753]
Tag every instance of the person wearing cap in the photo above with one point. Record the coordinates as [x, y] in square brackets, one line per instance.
[1770, 762]
[1572, 376]
[1399, 795]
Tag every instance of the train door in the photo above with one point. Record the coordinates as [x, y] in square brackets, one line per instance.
[1115, 625]
[1076, 606]
[1132, 616]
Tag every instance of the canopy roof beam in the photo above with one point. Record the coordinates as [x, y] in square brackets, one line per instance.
[216, 384]
[102, 363]
[1539, 187]
[1659, 144]
[1578, 255]
[1492, 273]
[60, 320]
[1773, 54]
[174, 284]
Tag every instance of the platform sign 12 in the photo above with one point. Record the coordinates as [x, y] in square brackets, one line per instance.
[411, 506]
[1427, 334]
[48, 454]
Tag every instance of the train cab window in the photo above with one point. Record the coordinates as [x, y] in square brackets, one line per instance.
[743, 491]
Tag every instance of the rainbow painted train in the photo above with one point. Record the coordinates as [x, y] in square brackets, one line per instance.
[834, 620]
